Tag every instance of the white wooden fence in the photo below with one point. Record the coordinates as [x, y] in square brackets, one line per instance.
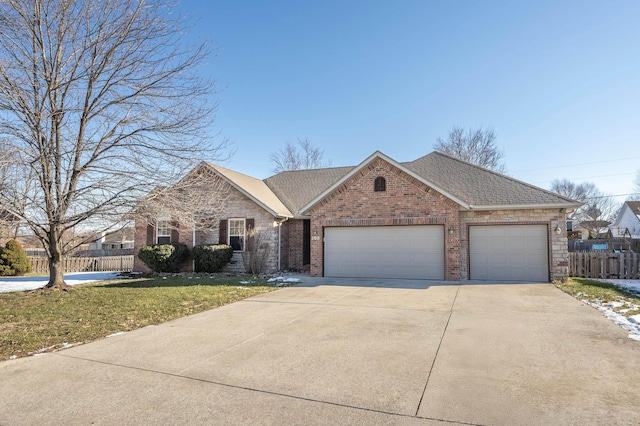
[624, 265]
[86, 264]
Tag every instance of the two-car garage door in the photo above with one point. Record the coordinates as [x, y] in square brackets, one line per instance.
[413, 252]
[509, 253]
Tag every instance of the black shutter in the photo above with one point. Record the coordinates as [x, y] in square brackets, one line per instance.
[174, 232]
[250, 223]
[222, 232]
[150, 235]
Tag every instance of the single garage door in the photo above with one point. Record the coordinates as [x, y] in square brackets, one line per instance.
[509, 253]
[414, 252]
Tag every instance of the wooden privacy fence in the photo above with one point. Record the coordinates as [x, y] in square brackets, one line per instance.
[86, 264]
[624, 265]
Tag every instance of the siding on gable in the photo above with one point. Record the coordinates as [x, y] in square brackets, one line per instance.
[629, 220]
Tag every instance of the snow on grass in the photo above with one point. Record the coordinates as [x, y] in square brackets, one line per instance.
[284, 280]
[614, 311]
[11, 284]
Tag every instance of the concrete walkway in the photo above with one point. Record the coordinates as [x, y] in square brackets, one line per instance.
[346, 352]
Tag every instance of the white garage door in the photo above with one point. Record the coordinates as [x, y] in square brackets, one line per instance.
[509, 253]
[415, 252]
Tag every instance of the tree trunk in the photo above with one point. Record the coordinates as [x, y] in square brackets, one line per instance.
[56, 263]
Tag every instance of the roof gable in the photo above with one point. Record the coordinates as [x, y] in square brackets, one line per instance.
[255, 189]
[378, 155]
[634, 206]
[629, 211]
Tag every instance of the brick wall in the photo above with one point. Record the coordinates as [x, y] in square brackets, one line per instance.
[558, 251]
[237, 205]
[406, 201]
[294, 249]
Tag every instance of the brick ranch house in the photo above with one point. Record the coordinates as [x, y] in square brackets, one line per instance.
[436, 218]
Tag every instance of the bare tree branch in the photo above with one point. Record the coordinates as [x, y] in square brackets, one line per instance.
[474, 146]
[302, 156]
[598, 208]
[99, 105]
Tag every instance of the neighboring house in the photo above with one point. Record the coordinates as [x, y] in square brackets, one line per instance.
[436, 218]
[629, 218]
[592, 229]
[118, 240]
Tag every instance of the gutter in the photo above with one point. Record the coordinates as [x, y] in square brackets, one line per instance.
[526, 206]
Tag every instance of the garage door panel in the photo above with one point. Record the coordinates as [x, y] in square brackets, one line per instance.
[509, 252]
[385, 252]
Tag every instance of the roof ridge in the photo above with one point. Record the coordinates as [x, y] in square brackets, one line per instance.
[500, 175]
[308, 170]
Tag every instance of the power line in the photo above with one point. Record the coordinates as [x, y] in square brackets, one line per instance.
[573, 165]
[610, 196]
[590, 177]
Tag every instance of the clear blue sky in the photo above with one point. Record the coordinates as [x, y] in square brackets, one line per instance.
[559, 81]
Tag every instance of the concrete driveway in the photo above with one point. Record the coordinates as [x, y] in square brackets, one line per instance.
[347, 352]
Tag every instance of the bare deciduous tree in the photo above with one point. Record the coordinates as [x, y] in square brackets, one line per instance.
[194, 202]
[301, 156]
[598, 208]
[476, 146]
[99, 104]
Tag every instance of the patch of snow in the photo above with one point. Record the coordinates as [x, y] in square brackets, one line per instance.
[630, 324]
[245, 282]
[284, 280]
[633, 285]
[11, 284]
[115, 334]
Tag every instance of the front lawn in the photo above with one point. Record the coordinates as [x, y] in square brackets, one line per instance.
[39, 321]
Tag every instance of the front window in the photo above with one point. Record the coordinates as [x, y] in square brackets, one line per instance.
[163, 231]
[237, 234]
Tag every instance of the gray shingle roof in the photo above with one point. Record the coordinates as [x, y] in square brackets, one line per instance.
[481, 187]
[297, 188]
[476, 186]
[255, 189]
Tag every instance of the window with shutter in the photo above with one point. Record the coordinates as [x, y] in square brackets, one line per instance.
[163, 231]
[222, 232]
[237, 233]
